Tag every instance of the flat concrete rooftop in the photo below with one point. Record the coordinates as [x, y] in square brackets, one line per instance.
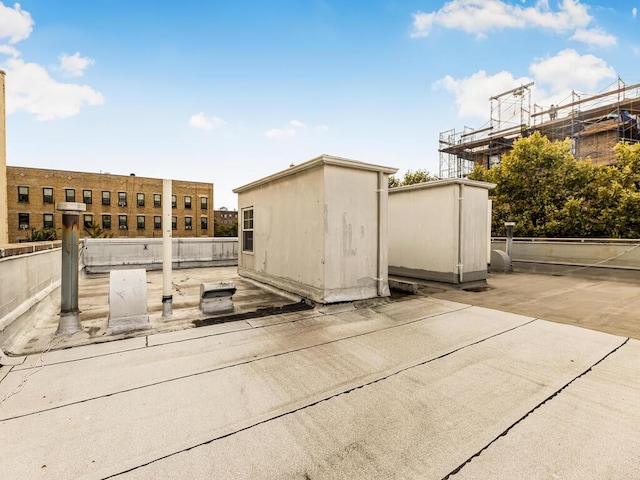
[433, 385]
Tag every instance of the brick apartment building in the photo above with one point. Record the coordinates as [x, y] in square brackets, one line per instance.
[224, 216]
[122, 205]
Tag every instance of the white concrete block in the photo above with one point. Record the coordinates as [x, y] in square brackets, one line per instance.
[127, 301]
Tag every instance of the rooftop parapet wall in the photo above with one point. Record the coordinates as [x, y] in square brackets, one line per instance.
[25, 280]
[103, 255]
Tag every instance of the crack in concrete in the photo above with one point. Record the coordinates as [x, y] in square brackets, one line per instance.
[508, 429]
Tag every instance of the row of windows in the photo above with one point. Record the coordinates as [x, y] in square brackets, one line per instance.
[87, 197]
[123, 221]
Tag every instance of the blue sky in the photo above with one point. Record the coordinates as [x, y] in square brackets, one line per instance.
[229, 91]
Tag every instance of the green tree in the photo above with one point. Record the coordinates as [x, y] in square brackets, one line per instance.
[94, 231]
[41, 234]
[547, 192]
[220, 230]
[411, 178]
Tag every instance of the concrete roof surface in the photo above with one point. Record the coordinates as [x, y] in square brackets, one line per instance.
[418, 387]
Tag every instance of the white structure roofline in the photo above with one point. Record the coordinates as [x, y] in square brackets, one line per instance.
[442, 183]
[321, 160]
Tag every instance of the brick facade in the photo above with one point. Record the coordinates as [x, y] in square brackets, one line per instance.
[225, 217]
[128, 202]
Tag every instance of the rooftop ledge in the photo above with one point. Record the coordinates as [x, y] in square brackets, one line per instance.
[321, 160]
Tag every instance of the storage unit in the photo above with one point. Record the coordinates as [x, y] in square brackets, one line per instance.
[318, 229]
[440, 231]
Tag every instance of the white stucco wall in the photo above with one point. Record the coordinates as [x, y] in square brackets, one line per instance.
[25, 280]
[426, 230]
[288, 221]
[351, 232]
[106, 254]
[316, 230]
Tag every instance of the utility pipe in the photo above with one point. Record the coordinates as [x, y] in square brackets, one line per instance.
[380, 286]
[460, 232]
[69, 312]
[167, 297]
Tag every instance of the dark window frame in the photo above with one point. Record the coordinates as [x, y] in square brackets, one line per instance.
[70, 198]
[157, 222]
[87, 199]
[48, 223]
[140, 225]
[247, 229]
[157, 200]
[106, 199]
[23, 194]
[140, 199]
[47, 198]
[106, 221]
[23, 221]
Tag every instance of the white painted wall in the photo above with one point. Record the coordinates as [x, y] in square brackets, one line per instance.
[25, 280]
[316, 230]
[105, 254]
[431, 231]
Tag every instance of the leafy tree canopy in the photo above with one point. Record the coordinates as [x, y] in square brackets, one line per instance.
[548, 193]
[411, 177]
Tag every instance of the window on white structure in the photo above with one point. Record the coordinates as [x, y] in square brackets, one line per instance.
[247, 230]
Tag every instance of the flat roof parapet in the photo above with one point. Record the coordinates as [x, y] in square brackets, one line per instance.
[443, 183]
[321, 160]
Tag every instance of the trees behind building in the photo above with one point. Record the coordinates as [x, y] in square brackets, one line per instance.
[548, 193]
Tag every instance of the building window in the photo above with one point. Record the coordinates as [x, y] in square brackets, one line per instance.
[23, 221]
[187, 201]
[69, 195]
[203, 203]
[47, 220]
[157, 200]
[23, 194]
[106, 199]
[174, 223]
[157, 222]
[174, 201]
[140, 221]
[188, 223]
[141, 199]
[204, 223]
[122, 199]
[106, 222]
[247, 230]
[47, 195]
[87, 220]
[87, 197]
[122, 222]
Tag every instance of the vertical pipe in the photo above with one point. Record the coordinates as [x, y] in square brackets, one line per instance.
[69, 312]
[460, 232]
[489, 210]
[4, 208]
[167, 297]
[509, 226]
[380, 287]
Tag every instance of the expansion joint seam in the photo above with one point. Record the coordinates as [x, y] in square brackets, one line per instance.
[225, 367]
[319, 401]
[553, 395]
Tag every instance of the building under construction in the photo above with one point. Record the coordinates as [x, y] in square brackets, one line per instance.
[594, 123]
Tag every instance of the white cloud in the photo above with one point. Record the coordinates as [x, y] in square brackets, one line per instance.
[206, 123]
[555, 78]
[74, 65]
[480, 17]
[289, 130]
[634, 12]
[472, 93]
[322, 128]
[30, 88]
[15, 23]
[594, 37]
[568, 70]
[9, 50]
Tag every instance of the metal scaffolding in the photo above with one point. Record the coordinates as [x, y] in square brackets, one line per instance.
[594, 123]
